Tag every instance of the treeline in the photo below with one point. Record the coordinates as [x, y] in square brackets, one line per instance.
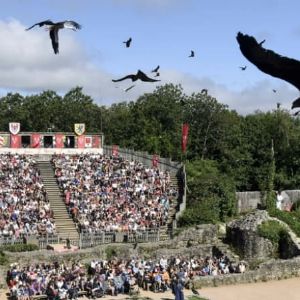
[236, 147]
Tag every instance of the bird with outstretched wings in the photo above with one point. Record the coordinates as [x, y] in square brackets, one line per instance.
[47, 22]
[128, 42]
[155, 70]
[271, 63]
[138, 76]
[54, 28]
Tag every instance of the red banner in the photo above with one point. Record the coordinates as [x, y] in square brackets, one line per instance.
[88, 142]
[59, 140]
[115, 150]
[155, 161]
[15, 141]
[35, 140]
[96, 141]
[81, 141]
[184, 137]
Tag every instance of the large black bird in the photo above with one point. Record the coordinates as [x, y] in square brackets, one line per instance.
[155, 70]
[192, 53]
[271, 63]
[138, 76]
[54, 28]
[128, 42]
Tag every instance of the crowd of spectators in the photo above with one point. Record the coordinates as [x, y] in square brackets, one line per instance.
[100, 277]
[112, 194]
[24, 208]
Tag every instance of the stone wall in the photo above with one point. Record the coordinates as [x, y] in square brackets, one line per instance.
[247, 201]
[272, 270]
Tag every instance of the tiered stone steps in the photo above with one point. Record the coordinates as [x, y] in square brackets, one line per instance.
[225, 249]
[64, 224]
[166, 230]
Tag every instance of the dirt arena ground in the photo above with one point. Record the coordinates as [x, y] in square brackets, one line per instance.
[272, 290]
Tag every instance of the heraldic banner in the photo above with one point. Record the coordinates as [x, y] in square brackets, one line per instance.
[79, 128]
[35, 140]
[15, 141]
[115, 150]
[96, 141]
[4, 141]
[14, 127]
[81, 141]
[184, 138]
[59, 140]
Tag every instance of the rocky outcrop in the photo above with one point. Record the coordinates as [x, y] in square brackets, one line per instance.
[242, 235]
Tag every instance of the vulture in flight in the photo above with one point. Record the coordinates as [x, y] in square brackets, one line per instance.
[192, 54]
[138, 76]
[155, 70]
[54, 28]
[271, 63]
[128, 42]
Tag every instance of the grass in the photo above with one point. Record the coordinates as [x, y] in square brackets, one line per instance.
[196, 298]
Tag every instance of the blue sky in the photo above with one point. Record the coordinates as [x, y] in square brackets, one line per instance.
[163, 33]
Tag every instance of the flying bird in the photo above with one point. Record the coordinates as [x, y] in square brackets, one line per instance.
[129, 88]
[155, 70]
[243, 68]
[128, 42]
[138, 76]
[54, 28]
[192, 54]
[274, 91]
[271, 63]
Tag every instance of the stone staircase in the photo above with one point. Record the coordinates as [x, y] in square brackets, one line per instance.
[225, 249]
[165, 230]
[64, 224]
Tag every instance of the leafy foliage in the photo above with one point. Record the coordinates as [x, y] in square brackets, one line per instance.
[3, 258]
[225, 151]
[290, 218]
[212, 195]
[19, 248]
[271, 230]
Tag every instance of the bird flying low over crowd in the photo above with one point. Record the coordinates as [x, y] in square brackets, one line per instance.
[54, 28]
[128, 42]
[271, 63]
[138, 76]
